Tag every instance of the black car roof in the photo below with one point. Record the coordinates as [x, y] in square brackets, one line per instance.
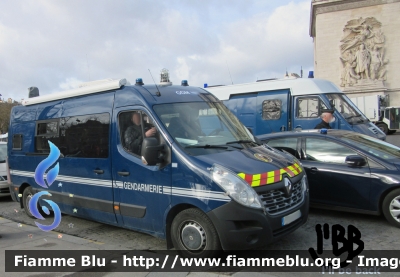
[314, 132]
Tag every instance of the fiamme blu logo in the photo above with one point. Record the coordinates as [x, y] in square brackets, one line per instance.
[40, 179]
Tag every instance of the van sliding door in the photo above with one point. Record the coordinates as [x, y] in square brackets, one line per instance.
[84, 183]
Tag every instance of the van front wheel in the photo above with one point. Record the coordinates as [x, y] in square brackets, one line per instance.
[194, 235]
[384, 128]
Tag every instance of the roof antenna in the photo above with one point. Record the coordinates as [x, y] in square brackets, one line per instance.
[301, 72]
[229, 71]
[158, 93]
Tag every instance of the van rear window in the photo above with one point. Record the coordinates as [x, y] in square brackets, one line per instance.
[17, 142]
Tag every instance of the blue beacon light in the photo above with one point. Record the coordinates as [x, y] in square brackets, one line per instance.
[324, 131]
[139, 82]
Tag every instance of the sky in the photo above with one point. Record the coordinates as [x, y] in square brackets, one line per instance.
[57, 44]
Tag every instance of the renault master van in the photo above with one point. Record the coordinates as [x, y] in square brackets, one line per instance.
[168, 160]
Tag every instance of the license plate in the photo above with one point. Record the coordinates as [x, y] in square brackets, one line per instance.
[291, 217]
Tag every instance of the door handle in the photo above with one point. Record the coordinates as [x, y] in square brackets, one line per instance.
[123, 173]
[98, 171]
[313, 170]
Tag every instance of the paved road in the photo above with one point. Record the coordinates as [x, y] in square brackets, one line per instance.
[394, 139]
[377, 234]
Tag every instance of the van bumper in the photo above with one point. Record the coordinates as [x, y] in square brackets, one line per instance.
[12, 192]
[241, 228]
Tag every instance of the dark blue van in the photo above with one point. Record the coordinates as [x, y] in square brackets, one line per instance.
[171, 161]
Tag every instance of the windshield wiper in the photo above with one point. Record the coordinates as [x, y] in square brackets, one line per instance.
[240, 141]
[207, 146]
[353, 116]
[245, 141]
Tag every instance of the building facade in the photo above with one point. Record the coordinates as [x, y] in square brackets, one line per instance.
[357, 45]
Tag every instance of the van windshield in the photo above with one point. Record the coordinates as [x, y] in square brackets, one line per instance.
[203, 125]
[347, 109]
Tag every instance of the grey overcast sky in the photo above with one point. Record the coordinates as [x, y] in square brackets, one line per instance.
[57, 44]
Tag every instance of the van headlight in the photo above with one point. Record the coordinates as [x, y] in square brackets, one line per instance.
[304, 183]
[235, 187]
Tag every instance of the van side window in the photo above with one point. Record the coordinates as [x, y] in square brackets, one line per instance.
[85, 136]
[17, 142]
[309, 107]
[387, 114]
[131, 131]
[271, 109]
[46, 130]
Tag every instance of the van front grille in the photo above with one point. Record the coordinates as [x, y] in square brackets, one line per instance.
[4, 190]
[374, 130]
[275, 201]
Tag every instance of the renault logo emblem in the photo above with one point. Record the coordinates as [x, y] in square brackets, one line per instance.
[262, 157]
[288, 187]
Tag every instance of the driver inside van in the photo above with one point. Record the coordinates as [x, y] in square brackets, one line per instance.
[133, 135]
[186, 125]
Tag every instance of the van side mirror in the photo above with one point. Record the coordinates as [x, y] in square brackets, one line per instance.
[332, 102]
[151, 151]
[355, 160]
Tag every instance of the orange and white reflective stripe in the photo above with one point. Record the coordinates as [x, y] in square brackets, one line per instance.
[267, 178]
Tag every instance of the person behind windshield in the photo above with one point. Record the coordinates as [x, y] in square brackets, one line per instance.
[187, 125]
[133, 135]
[326, 118]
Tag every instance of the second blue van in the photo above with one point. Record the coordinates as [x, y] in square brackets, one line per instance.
[286, 104]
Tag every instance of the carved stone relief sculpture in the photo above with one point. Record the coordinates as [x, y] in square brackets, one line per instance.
[362, 53]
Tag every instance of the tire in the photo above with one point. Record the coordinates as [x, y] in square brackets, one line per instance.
[194, 235]
[26, 197]
[383, 127]
[391, 207]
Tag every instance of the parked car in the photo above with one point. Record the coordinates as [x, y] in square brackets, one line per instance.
[4, 187]
[347, 171]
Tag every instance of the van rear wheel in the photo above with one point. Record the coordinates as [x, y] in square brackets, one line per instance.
[26, 198]
[194, 235]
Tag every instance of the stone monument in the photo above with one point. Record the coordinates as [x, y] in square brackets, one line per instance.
[362, 55]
